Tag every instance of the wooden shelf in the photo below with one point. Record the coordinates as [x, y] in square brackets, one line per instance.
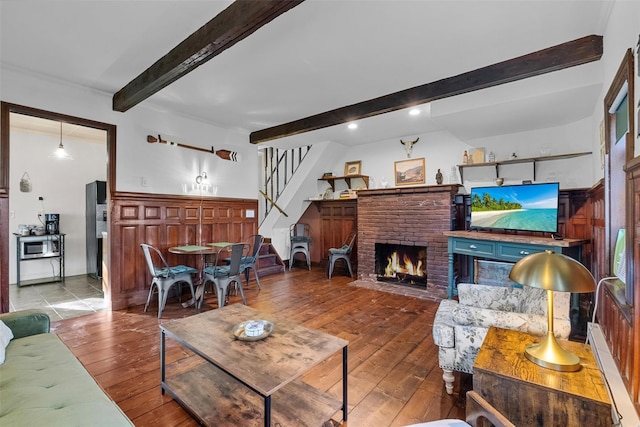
[215, 398]
[533, 160]
[332, 179]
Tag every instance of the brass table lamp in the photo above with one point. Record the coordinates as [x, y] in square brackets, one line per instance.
[552, 272]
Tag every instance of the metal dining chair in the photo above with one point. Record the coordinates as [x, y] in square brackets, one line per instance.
[300, 238]
[343, 253]
[221, 275]
[249, 262]
[165, 276]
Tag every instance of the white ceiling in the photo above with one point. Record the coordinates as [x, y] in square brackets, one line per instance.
[320, 55]
[64, 131]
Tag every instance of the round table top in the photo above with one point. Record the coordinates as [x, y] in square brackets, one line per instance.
[193, 250]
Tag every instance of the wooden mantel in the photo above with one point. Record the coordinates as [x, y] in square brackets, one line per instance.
[516, 238]
[447, 188]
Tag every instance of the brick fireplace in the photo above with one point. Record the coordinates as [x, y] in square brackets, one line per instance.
[413, 216]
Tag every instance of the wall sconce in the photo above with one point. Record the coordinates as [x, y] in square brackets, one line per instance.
[201, 178]
[200, 186]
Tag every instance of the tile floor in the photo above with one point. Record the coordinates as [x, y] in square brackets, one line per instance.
[76, 296]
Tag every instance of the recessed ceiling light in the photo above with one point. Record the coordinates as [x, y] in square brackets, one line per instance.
[414, 111]
[353, 126]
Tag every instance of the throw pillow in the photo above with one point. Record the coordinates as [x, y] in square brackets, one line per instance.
[5, 336]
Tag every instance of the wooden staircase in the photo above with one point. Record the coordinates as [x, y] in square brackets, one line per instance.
[269, 262]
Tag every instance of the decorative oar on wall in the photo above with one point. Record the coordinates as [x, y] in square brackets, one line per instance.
[233, 156]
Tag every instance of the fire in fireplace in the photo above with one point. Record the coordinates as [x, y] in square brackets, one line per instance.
[402, 264]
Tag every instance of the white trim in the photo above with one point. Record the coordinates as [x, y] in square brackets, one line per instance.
[622, 411]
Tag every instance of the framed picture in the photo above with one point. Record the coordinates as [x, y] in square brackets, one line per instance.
[353, 168]
[409, 172]
[476, 156]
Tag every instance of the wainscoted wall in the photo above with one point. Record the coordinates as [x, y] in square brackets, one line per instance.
[618, 316]
[165, 221]
[407, 216]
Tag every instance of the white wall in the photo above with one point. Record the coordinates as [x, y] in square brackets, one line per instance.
[166, 170]
[443, 151]
[622, 31]
[62, 185]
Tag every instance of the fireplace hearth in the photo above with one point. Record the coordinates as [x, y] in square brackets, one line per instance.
[401, 264]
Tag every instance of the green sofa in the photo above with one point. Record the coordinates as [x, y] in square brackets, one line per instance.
[43, 384]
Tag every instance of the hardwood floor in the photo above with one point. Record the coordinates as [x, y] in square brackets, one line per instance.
[394, 378]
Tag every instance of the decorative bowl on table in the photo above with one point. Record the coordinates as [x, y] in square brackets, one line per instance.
[252, 330]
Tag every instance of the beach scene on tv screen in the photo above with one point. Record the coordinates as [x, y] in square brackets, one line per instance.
[520, 207]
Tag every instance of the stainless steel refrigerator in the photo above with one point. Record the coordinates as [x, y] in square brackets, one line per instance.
[96, 218]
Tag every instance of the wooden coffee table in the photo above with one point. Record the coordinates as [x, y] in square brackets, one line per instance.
[249, 383]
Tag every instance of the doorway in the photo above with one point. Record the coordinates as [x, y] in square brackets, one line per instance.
[31, 137]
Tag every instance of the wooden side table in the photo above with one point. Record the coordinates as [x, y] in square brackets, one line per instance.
[530, 395]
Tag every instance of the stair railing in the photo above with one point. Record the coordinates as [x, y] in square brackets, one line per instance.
[279, 167]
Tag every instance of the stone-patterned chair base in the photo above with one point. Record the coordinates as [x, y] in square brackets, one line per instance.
[460, 326]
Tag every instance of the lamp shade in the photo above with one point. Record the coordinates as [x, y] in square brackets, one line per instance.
[553, 272]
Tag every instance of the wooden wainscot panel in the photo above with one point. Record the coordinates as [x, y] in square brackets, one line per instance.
[173, 212]
[237, 212]
[192, 213]
[152, 212]
[208, 214]
[206, 232]
[615, 321]
[128, 240]
[172, 231]
[190, 235]
[222, 232]
[168, 221]
[598, 253]
[633, 273]
[129, 212]
[152, 234]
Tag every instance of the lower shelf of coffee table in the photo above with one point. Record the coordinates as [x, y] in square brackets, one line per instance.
[215, 398]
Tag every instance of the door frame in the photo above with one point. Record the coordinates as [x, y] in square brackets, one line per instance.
[5, 110]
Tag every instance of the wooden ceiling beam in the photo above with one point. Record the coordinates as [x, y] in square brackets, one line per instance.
[570, 54]
[239, 20]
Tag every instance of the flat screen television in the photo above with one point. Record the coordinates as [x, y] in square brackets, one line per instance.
[528, 207]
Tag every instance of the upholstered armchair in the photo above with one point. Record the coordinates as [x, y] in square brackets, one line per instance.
[460, 326]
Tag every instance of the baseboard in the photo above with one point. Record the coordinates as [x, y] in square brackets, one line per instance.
[623, 412]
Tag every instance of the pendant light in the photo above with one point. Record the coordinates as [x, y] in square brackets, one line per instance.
[60, 152]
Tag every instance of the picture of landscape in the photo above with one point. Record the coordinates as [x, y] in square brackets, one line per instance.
[516, 207]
